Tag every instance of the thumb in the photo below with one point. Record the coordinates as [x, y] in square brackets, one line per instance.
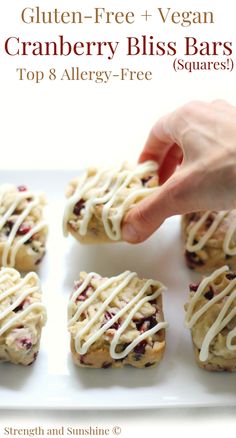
[173, 197]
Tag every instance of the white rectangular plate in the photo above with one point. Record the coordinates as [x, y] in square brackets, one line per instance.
[53, 382]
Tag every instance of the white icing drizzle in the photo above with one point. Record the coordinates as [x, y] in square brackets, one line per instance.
[11, 246]
[110, 194]
[10, 284]
[227, 240]
[222, 319]
[192, 247]
[119, 282]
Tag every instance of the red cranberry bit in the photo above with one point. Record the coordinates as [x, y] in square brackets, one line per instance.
[78, 207]
[77, 284]
[193, 287]
[231, 276]
[34, 237]
[149, 364]
[107, 365]
[209, 294]
[39, 260]
[26, 343]
[20, 307]
[24, 229]
[209, 221]
[146, 323]
[146, 179]
[83, 296]
[22, 188]
[140, 348]
[108, 316]
[193, 217]
[8, 227]
[193, 259]
[36, 355]
[82, 360]
[29, 241]
[34, 358]
[144, 327]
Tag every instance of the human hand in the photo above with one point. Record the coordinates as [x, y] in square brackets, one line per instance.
[195, 149]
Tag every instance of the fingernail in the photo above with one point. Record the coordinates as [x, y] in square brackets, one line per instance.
[129, 233]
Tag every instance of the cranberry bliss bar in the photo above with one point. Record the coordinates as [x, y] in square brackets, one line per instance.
[23, 231]
[22, 316]
[116, 321]
[211, 316]
[99, 199]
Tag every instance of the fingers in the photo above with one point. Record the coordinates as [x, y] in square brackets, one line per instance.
[188, 132]
[170, 130]
[158, 143]
[172, 159]
[172, 198]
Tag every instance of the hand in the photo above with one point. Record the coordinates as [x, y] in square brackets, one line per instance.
[195, 149]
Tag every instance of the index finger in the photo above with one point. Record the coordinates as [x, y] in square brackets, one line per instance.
[159, 142]
[169, 130]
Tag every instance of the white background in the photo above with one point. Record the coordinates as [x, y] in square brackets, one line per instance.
[74, 124]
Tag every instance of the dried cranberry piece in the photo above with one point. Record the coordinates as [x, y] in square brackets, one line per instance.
[140, 348]
[231, 276]
[83, 296]
[146, 179]
[142, 326]
[24, 229]
[77, 284]
[153, 321]
[108, 316]
[82, 360]
[107, 365]
[146, 323]
[29, 241]
[20, 307]
[138, 356]
[26, 343]
[209, 221]
[8, 227]
[39, 260]
[124, 346]
[193, 259]
[209, 294]
[78, 207]
[22, 188]
[34, 358]
[193, 217]
[193, 287]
